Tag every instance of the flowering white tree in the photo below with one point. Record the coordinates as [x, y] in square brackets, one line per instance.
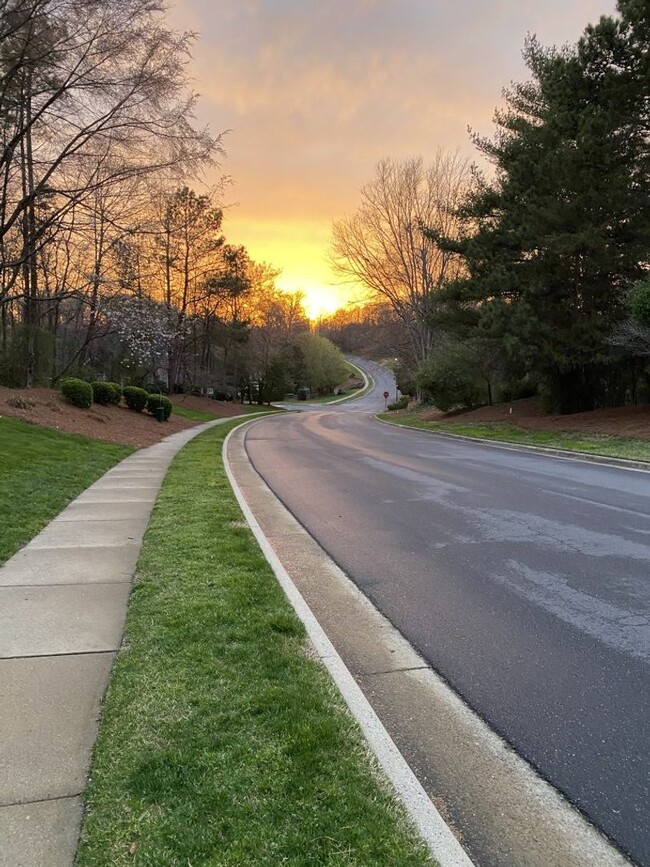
[143, 326]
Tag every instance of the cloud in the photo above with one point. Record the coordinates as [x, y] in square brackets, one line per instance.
[317, 91]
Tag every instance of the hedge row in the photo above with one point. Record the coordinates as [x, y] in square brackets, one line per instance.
[82, 394]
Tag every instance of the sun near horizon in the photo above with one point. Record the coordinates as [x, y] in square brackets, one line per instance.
[318, 300]
[298, 250]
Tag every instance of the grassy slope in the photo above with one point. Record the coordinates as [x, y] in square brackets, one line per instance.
[596, 444]
[331, 398]
[222, 742]
[193, 414]
[41, 471]
[200, 415]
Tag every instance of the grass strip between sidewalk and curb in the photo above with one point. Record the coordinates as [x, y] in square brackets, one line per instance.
[222, 740]
[600, 445]
[41, 471]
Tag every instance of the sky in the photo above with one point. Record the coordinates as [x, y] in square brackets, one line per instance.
[313, 93]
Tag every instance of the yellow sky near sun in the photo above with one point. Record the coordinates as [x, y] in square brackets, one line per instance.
[300, 251]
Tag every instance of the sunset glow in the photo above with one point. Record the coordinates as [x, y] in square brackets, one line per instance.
[314, 95]
[300, 252]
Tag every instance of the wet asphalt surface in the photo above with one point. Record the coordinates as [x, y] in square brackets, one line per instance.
[523, 579]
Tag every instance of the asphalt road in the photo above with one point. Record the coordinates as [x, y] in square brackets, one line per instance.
[523, 579]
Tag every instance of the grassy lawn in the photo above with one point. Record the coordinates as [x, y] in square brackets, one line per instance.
[326, 398]
[596, 444]
[222, 742]
[41, 471]
[200, 415]
[193, 414]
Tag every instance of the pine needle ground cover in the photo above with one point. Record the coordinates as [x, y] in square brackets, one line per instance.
[595, 444]
[41, 471]
[222, 742]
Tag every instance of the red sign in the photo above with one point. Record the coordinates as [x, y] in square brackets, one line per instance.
[386, 394]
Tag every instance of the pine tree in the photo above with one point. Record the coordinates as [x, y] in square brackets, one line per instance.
[564, 228]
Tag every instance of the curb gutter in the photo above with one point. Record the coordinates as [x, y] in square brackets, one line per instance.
[584, 457]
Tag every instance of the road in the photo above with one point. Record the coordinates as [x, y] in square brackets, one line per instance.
[522, 579]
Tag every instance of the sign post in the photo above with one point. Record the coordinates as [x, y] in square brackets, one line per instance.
[386, 396]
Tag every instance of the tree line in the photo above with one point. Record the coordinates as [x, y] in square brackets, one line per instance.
[111, 264]
[530, 276]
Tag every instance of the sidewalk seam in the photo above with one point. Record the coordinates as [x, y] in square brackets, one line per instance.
[43, 800]
[59, 655]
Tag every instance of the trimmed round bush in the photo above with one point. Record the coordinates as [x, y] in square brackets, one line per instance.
[156, 400]
[135, 398]
[450, 380]
[78, 392]
[106, 392]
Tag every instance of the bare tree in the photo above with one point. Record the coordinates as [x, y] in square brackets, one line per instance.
[382, 246]
[633, 337]
[96, 84]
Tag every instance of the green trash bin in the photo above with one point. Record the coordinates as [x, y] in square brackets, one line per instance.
[160, 413]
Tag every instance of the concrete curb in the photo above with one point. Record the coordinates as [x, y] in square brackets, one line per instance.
[583, 457]
[432, 828]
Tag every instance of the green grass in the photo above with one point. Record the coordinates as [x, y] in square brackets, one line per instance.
[222, 742]
[370, 383]
[325, 398]
[596, 444]
[41, 471]
[330, 398]
[201, 415]
[193, 414]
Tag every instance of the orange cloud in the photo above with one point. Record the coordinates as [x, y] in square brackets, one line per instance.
[316, 93]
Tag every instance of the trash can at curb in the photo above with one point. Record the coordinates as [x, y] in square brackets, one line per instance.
[160, 413]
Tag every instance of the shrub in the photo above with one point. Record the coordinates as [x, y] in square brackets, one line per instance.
[135, 398]
[405, 380]
[156, 400]
[449, 380]
[78, 392]
[106, 392]
[402, 403]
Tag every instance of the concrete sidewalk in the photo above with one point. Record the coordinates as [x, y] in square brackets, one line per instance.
[63, 600]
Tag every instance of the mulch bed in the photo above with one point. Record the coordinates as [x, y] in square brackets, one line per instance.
[623, 421]
[114, 424]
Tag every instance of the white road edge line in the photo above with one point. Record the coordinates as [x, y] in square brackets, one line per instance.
[429, 823]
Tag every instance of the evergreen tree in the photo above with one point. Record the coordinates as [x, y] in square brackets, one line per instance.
[563, 229]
